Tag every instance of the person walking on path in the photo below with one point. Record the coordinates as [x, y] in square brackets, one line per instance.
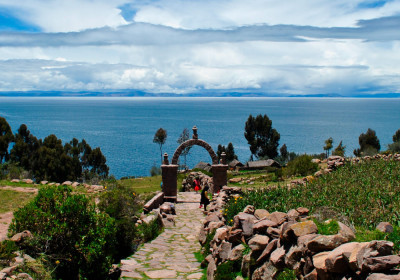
[204, 198]
[197, 184]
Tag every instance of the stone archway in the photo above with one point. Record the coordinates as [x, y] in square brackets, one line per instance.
[169, 171]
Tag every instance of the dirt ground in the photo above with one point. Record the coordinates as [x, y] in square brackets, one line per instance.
[5, 220]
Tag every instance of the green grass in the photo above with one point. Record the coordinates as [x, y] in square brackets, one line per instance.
[365, 193]
[12, 200]
[21, 184]
[147, 184]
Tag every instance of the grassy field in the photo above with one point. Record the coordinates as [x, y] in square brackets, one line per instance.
[21, 184]
[11, 200]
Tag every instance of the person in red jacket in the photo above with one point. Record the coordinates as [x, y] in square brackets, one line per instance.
[197, 184]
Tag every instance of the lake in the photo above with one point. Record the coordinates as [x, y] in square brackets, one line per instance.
[124, 127]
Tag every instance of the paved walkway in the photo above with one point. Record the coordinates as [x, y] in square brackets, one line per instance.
[171, 254]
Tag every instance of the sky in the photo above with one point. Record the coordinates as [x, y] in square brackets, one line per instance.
[302, 47]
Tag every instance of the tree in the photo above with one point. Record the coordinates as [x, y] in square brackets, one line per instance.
[262, 138]
[396, 136]
[159, 138]
[6, 137]
[183, 138]
[229, 152]
[328, 146]
[284, 152]
[25, 148]
[369, 144]
[339, 150]
[395, 146]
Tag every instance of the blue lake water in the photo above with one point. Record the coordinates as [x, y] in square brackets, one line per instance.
[124, 127]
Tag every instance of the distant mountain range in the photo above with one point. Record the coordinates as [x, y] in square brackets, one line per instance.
[130, 93]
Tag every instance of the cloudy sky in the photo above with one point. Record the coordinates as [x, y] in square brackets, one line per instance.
[181, 46]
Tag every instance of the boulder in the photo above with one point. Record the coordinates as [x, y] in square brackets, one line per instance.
[303, 211]
[385, 227]
[263, 225]
[320, 266]
[346, 232]
[27, 181]
[293, 256]
[249, 209]
[258, 242]
[215, 225]
[221, 234]
[21, 236]
[67, 183]
[278, 217]
[325, 242]
[261, 213]
[277, 258]
[377, 264]
[337, 260]
[211, 269]
[235, 236]
[223, 250]
[235, 180]
[245, 222]
[15, 181]
[304, 228]
[274, 232]
[266, 271]
[246, 263]
[236, 252]
[168, 208]
[44, 182]
[268, 250]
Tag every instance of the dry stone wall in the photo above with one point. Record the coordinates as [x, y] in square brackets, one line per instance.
[291, 240]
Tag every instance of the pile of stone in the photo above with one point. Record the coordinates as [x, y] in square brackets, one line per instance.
[10, 271]
[164, 214]
[290, 240]
[188, 183]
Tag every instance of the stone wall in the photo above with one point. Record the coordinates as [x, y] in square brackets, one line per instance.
[291, 240]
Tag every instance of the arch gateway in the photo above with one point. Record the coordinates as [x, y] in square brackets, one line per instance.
[170, 171]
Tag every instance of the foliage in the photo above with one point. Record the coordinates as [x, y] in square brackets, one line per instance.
[367, 193]
[396, 136]
[37, 269]
[6, 137]
[287, 274]
[340, 150]
[369, 144]
[228, 270]
[364, 235]
[284, 153]
[159, 138]
[155, 171]
[229, 151]
[150, 231]
[328, 146]
[7, 252]
[66, 227]
[207, 245]
[327, 228]
[301, 166]
[394, 147]
[262, 138]
[121, 203]
[183, 138]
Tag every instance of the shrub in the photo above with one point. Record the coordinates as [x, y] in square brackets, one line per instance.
[154, 171]
[301, 166]
[121, 203]
[7, 252]
[150, 231]
[327, 228]
[77, 240]
[228, 270]
[287, 274]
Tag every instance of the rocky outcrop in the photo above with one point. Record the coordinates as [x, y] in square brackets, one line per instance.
[278, 240]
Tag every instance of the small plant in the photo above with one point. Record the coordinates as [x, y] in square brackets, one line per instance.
[301, 166]
[327, 228]
[206, 246]
[7, 252]
[150, 231]
[287, 274]
[228, 270]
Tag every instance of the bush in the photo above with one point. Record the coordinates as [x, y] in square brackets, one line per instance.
[7, 252]
[150, 231]
[301, 166]
[76, 239]
[121, 204]
[154, 171]
[228, 270]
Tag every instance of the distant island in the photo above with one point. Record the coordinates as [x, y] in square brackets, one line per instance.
[135, 93]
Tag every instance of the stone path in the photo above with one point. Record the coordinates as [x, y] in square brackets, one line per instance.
[171, 254]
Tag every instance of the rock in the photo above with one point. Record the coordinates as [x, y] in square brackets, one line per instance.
[245, 268]
[278, 217]
[264, 272]
[381, 276]
[215, 225]
[202, 236]
[286, 232]
[245, 222]
[336, 261]
[293, 256]
[303, 211]
[313, 275]
[19, 237]
[261, 213]
[9, 270]
[263, 225]
[211, 269]
[224, 250]
[235, 236]
[319, 264]
[367, 250]
[385, 227]
[236, 253]
[24, 276]
[220, 234]
[15, 180]
[303, 240]
[75, 184]
[268, 250]
[346, 232]
[249, 209]
[277, 258]
[27, 181]
[168, 208]
[293, 214]
[304, 228]
[325, 242]
[274, 232]
[67, 183]
[258, 242]
[213, 217]
[235, 180]
[377, 264]
[44, 182]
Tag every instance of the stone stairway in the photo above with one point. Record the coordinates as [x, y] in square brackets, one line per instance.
[171, 254]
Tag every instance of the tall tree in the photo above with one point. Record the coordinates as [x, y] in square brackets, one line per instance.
[159, 138]
[339, 150]
[25, 148]
[262, 138]
[396, 136]
[328, 146]
[6, 137]
[395, 146]
[284, 152]
[369, 144]
[229, 152]
[183, 138]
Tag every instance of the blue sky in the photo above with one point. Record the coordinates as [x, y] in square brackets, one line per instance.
[180, 46]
